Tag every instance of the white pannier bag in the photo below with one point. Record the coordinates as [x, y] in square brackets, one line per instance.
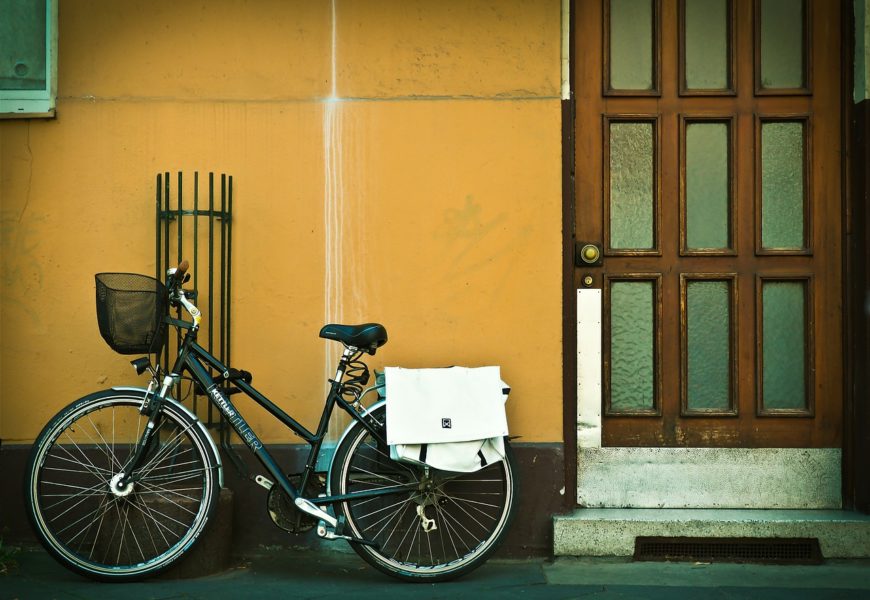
[451, 419]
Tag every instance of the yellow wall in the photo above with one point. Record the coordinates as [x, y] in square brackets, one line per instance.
[426, 176]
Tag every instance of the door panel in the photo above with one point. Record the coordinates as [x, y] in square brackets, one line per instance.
[707, 150]
[708, 341]
[707, 207]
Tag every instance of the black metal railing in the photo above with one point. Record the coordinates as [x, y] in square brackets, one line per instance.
[202, 233]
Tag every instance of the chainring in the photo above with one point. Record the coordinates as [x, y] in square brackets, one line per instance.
[284, 512]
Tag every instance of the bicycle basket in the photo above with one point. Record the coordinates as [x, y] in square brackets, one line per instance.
[130, 311]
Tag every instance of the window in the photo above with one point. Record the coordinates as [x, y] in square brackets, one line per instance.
[28, 58]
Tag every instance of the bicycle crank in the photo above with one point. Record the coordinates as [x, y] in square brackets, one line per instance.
[283, 511]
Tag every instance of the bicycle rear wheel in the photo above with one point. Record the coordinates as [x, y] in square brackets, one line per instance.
[90, 526]
[448, 525]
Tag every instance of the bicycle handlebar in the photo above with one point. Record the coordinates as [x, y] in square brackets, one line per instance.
[176, 276]
[174, 282]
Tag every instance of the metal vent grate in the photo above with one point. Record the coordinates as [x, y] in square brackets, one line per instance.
[754, 550]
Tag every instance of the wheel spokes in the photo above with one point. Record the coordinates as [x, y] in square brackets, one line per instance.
[92, 525]
[469, 510]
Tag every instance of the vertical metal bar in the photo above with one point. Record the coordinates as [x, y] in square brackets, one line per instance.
[166, 218]
[157, 227]
[222, 326]
[210, 277]
[179, 224]
[157, 248]
[196, 234]
[180, 228]
[210, 263]
[227, 269]
[166, 222]
[195, 256]
[228, 266]
[222, 273]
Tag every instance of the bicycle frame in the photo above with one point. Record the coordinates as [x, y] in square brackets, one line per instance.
[192, 356]
[122, 482]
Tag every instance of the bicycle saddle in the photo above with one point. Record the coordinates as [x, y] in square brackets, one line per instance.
[368, 337]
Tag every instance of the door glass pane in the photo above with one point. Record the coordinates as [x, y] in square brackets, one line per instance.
[782, 185]
[631, 44]
[708, 335]
[782, 44]
[707, 190]
[706, 48]
[631, 185]
[22, 45]
[784, 345]
[632, 346]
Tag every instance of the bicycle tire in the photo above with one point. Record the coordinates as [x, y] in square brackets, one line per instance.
[105, 535]
[471, 511]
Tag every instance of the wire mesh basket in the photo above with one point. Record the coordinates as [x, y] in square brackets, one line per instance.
[130, 311]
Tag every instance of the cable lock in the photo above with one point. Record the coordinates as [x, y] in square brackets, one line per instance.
[357, 375]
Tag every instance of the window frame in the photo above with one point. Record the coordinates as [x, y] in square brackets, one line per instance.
[27, 104]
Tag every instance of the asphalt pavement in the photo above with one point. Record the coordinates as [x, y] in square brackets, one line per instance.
[302, 573]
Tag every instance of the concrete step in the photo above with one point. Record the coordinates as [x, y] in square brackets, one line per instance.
[212, 553]
[612, 531]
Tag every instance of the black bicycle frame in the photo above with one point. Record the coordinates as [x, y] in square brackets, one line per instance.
[191, 357]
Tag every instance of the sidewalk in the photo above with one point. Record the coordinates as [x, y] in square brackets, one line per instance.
[299, 573]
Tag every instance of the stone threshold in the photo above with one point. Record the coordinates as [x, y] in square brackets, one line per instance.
[612, 531]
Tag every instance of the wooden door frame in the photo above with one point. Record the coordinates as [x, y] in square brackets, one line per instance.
[856, 281]
[569, 292]
[856, 278]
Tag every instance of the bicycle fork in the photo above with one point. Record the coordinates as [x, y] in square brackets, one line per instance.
[121, 484]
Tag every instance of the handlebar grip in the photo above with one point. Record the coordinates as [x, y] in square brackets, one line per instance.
[176, 276]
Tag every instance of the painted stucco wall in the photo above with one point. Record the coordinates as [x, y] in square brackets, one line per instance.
[394, 160]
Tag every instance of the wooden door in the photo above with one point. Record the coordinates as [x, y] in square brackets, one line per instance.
[708, 170]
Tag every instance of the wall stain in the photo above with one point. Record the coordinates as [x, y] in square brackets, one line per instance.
[465, 229]
[466, 225]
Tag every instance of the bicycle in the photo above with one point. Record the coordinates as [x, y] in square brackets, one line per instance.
[121, 483]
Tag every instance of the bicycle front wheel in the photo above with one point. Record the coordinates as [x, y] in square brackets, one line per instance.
[73, 500]
[446, 526]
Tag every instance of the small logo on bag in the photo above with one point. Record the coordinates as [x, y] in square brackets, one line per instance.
[446, 424]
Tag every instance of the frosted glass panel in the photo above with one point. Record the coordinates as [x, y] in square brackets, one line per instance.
[22, 45]
[631, 346]
[784, 345]
[782, 185]
[708, 324]
[631, 44]
[631, 185]
[706, 48]
[782, 44]
[707, 197]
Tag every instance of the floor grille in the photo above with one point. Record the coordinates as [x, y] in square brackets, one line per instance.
[742, 550]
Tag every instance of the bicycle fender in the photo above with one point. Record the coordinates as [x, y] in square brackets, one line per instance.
[341, 441]
[176, 404]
